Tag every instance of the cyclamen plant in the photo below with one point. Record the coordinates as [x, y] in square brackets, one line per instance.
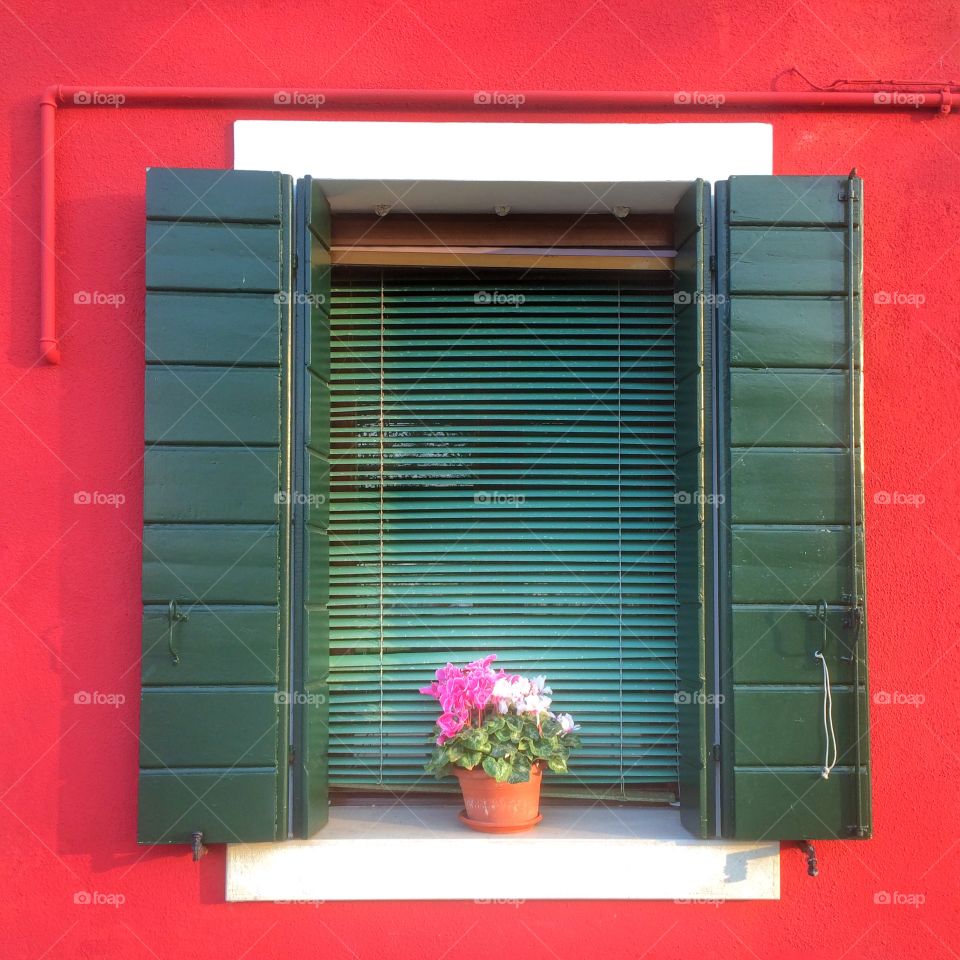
[499, 721]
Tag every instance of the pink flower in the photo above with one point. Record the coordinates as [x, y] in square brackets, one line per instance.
[450, 725]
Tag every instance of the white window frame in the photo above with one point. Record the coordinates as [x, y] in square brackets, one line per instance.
[395, 852]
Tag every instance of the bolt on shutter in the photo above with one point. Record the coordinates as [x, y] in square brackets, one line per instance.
[212, 733]
[790, 267]
[524, 430]
[311, 548]
[695, 512]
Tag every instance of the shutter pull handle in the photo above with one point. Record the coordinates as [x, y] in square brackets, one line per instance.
[830, 735]
[174, 616]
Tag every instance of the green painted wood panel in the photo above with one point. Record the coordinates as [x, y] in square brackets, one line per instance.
[782, 260]
[211, 405]
[228, 484]
[775, 564]
[311, 512]
[770, 332]
[787, 201]
[238, 258]
[215, 566]
[790, 265]
[222, 564]
[211, 727]
[776, 644]
[214, 328]
[234, 806]
[694, 515]
[783, 726]
[782, 408]
[778, 804]
[314, 765]
[228, 196]
[216, 644]
[809, 486]
[317, 414]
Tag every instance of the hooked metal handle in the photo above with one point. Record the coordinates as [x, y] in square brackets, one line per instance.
[174, 616]
[821, 614]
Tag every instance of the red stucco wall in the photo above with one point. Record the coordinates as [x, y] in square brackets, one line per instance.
[69, 573]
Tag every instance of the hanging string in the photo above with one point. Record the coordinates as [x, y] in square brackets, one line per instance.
[380, 432]
[831, 737]
[623, 772]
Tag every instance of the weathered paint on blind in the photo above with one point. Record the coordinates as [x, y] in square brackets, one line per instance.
[525, 433]
[790, 266]
[212, 731]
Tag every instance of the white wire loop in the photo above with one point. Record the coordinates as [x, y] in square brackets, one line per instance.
[831, 737]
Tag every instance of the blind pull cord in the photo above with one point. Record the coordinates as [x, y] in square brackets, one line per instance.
[623, 772]
[828, 731]
[380, 431]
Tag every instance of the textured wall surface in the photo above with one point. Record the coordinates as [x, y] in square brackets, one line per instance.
[69, 572]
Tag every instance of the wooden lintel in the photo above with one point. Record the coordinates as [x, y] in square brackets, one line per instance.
[639, 230]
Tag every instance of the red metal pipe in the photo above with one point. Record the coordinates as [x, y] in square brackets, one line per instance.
[49, 347]
[906, 97]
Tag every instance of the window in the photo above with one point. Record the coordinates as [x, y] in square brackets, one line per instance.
[243, 621]
[524, 426]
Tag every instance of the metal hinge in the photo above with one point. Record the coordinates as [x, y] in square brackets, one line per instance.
[294, 262]
[843, 196]
[716, 752]
[713, 263]
[197, 845]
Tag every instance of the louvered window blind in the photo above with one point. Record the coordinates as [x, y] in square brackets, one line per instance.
[523, 428]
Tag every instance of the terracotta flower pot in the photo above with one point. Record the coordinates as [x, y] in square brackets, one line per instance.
[499, 807]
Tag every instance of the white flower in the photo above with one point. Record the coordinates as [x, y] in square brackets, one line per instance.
[566, 723]
[532, 703]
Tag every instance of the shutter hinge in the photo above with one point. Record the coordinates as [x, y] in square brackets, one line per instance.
[713, 263]
[847, 195]
[716, 752]
[197, 845]
[294, 261]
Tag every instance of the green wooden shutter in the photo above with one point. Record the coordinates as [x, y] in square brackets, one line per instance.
[212, 724]
[790, 265]
[524, 428]
[695, 513]
[310, 506]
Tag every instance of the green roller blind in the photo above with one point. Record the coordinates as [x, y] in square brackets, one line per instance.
[524, 429]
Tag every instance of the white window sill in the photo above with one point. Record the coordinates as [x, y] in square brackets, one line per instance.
[395, 852]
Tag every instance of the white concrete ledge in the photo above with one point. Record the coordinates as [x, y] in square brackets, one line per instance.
[384, 852]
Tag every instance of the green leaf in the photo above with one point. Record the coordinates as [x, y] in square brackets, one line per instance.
[492, 767]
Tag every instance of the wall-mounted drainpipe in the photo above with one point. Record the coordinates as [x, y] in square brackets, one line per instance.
[906, 96]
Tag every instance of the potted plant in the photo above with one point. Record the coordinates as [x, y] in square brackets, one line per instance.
[497, 734]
